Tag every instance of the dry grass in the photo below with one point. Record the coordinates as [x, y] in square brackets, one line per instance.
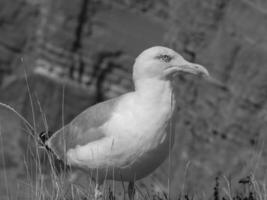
[48, 179]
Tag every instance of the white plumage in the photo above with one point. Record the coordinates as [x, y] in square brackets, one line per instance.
[128, 137]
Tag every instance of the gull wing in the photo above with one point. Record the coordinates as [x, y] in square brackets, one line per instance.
[83, 129]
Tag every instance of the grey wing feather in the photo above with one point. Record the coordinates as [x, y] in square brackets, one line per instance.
[83, 129]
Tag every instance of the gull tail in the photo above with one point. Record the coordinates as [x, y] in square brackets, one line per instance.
[59, 164]
[43, 137]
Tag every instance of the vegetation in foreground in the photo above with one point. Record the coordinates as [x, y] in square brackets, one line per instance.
[52, 182]
[46, 179]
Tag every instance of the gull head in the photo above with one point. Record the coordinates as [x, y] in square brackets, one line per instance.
[164, 63]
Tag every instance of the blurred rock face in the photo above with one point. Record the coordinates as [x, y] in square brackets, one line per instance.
[223, 130]
[89, 48]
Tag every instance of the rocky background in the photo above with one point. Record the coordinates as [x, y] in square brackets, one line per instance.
[72, 54]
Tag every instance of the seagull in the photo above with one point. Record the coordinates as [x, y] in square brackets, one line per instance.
[127, 137]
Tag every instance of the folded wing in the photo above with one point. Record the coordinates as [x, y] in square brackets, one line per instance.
[84, 129]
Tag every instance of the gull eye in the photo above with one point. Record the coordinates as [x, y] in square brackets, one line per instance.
[165, 58]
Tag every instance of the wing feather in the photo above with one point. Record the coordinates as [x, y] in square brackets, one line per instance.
[83, 129]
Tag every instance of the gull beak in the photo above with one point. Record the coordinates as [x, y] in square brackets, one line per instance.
[188, 67]
[195, 69]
